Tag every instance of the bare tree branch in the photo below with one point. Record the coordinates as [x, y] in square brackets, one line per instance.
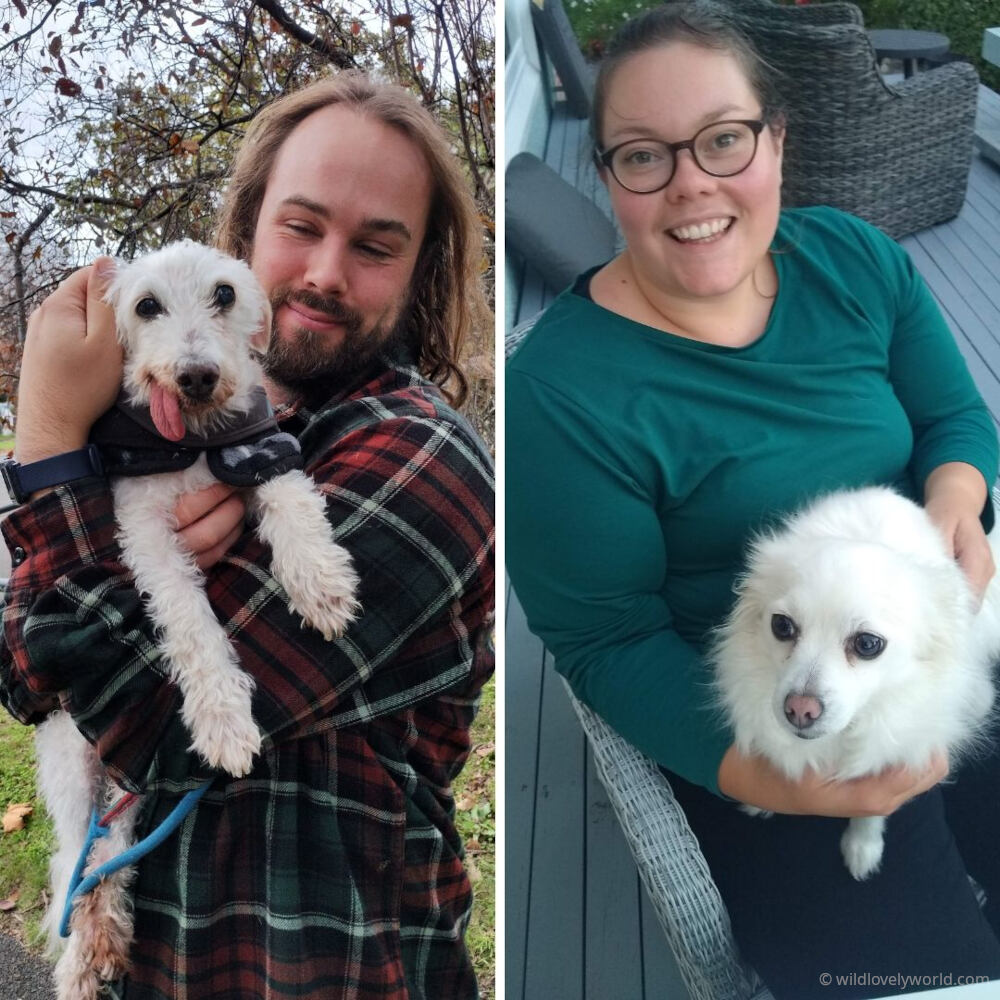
[338, 56]
[18, 249]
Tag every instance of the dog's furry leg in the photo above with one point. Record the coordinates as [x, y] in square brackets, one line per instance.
[69, 776]
[101, 926]
[861, 845]
[102, 923]
[217, 694]
[315, 571]
[69, 781]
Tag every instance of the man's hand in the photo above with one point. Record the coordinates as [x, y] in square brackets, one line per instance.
[758, 782]
[72, 366]
[209, 522]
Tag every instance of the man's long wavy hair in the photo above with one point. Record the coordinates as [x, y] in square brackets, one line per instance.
[446, 296]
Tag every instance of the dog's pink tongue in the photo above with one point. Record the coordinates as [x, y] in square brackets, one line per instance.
[166, 413]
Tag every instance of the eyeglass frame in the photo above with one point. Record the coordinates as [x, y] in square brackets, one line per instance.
[756, 125]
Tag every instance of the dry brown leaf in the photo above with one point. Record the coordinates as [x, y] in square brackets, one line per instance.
[13, 819]
[68, 88]
[466, 802]
[484, 749]
[8, 904]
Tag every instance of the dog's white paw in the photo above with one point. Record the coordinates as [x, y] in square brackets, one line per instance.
[227, 738]
[321, 589]
[862, 853]
[221, 722]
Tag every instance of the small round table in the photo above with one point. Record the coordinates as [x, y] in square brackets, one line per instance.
[910, 46]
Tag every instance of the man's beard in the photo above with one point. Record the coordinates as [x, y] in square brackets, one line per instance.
[303, 361]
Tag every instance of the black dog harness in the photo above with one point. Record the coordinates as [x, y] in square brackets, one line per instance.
[246, 450]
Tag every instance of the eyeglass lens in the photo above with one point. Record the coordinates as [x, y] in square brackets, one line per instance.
[721, 149]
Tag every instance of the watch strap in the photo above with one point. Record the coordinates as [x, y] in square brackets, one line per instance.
[23, 480]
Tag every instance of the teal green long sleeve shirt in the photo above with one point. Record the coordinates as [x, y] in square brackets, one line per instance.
[639, 463]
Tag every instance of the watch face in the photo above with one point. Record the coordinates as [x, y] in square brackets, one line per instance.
[8, 469]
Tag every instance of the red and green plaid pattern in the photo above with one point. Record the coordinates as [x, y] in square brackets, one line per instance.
[334, 869]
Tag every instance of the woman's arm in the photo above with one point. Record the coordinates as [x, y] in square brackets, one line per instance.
[954, 496]
[757, 782]
[586, 555]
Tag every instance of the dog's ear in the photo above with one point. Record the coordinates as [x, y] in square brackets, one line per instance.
[262, 335]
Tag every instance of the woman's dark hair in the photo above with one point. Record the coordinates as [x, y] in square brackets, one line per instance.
[700, 23]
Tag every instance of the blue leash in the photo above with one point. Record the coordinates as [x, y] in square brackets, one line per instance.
[80, 886]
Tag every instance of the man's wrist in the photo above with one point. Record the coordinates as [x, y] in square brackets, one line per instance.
[25, 481]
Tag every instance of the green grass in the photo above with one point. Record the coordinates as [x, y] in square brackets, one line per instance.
[475, 796]
[24, 854]
[6, 442]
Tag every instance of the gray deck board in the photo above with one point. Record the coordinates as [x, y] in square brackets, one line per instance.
[578, 923]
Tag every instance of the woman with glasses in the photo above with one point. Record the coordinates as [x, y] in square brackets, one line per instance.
[734, 361]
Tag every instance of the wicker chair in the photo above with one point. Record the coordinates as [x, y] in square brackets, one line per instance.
[897, 155]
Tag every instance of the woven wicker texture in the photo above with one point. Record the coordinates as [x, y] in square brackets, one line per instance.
[671, 866]
[897, 156]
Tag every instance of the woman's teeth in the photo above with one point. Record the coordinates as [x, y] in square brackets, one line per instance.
[702, 231]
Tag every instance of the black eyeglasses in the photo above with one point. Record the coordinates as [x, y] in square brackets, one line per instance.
[722, 149]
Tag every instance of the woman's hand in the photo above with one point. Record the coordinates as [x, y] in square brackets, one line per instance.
[72, 366]
[954, 496]
[209, 522]
[757, 782]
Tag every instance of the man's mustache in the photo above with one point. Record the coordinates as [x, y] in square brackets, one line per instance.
[328, 305]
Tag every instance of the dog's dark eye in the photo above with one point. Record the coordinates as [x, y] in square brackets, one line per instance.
[225, 296]
[867, 645]
[148, 308]
[783, 628]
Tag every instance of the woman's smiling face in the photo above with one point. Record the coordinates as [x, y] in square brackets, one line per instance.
[668, 93]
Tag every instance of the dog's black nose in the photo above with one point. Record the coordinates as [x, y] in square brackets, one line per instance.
[802, 710]
[198, 382]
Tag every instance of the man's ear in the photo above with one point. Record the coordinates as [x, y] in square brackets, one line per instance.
[262, 335]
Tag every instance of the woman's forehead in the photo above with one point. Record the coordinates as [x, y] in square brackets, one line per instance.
[677, 86]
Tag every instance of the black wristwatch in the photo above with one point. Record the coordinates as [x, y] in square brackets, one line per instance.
[23, 480]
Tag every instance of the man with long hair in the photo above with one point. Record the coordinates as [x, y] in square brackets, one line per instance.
[334, 869]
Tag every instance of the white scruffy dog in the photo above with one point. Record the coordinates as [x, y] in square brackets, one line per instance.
[855, 645]
[186, 316]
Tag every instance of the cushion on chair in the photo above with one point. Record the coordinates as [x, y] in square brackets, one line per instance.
[561, 47]
[555, 228]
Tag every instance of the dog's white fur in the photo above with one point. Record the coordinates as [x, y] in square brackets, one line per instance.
[289, 515]
[859, 562]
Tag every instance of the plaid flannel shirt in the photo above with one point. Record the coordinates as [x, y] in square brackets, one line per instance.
[334, 869]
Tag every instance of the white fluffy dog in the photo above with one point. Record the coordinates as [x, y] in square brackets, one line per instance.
[185, 316]
[855, 645]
